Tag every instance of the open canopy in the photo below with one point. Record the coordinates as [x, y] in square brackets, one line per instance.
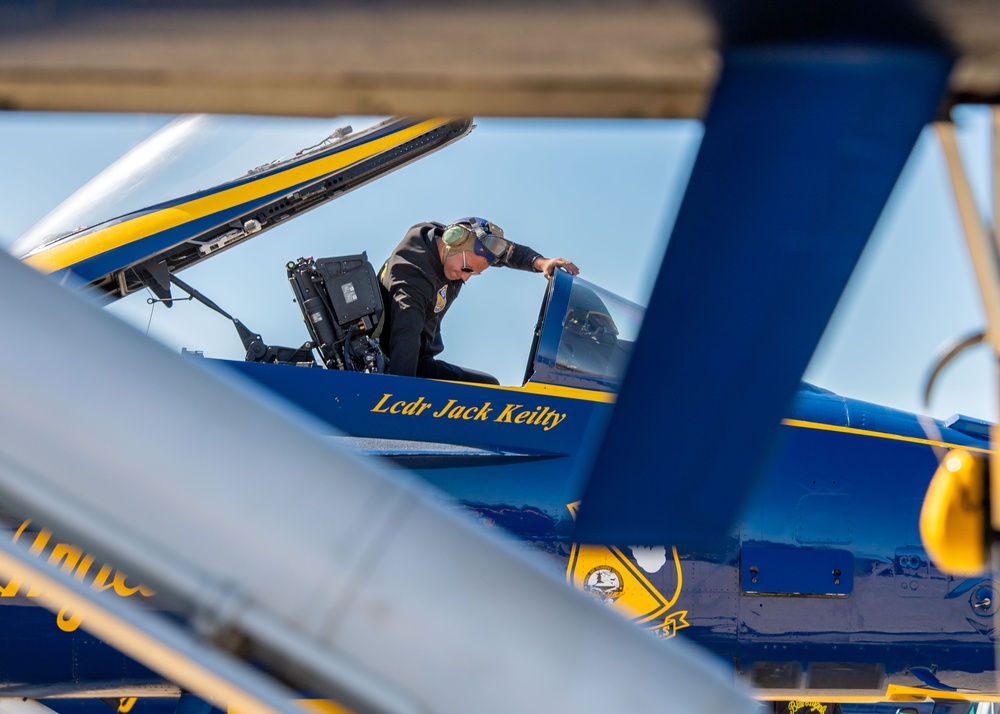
[120, 243]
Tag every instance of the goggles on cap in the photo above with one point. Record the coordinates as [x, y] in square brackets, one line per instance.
[488, 237]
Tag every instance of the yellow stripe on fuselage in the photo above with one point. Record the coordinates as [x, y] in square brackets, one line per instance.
[552, 390]
[71, 252]
[878, 434]
[895, 693]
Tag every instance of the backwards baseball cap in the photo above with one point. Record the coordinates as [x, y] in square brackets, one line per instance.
[479, 235]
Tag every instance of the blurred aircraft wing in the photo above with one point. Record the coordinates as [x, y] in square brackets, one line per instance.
[341, 579]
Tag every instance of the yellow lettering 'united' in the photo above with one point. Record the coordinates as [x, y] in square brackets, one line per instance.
[72, 560]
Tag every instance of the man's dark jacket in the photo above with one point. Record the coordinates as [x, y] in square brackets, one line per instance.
[417, 295]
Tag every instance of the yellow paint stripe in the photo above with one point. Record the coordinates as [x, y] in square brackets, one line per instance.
[71, 252]
[880, 435]
[568, 392]
[324, 706]
[551, 390]
[319, 706]
[893, 693]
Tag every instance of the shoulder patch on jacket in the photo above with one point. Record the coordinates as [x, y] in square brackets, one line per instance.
[442, 299]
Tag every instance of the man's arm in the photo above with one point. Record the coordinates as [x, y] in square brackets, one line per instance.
[521, 257]
[549, 265]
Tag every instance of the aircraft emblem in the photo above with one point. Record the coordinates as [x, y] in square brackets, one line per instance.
[604, 583]
[619, 581]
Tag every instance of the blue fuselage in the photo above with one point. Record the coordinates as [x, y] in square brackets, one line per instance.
[821, 585]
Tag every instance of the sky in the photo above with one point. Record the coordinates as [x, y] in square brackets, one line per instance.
[602, 193]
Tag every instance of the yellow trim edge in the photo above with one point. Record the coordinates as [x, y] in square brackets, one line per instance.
[551, 390]
[879, 434]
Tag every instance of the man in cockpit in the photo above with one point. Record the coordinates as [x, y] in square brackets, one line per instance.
[424, 275]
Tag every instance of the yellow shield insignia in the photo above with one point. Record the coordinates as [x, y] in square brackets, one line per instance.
[612, 577]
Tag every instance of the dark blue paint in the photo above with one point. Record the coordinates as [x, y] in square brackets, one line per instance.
[796, 571]
[185, 704]
[37, 659]
[928, 678]
[802, 147]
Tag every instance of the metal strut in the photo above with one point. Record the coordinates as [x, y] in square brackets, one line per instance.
[253, 343]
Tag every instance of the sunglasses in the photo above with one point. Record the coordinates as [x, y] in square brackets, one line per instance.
[465, 265]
